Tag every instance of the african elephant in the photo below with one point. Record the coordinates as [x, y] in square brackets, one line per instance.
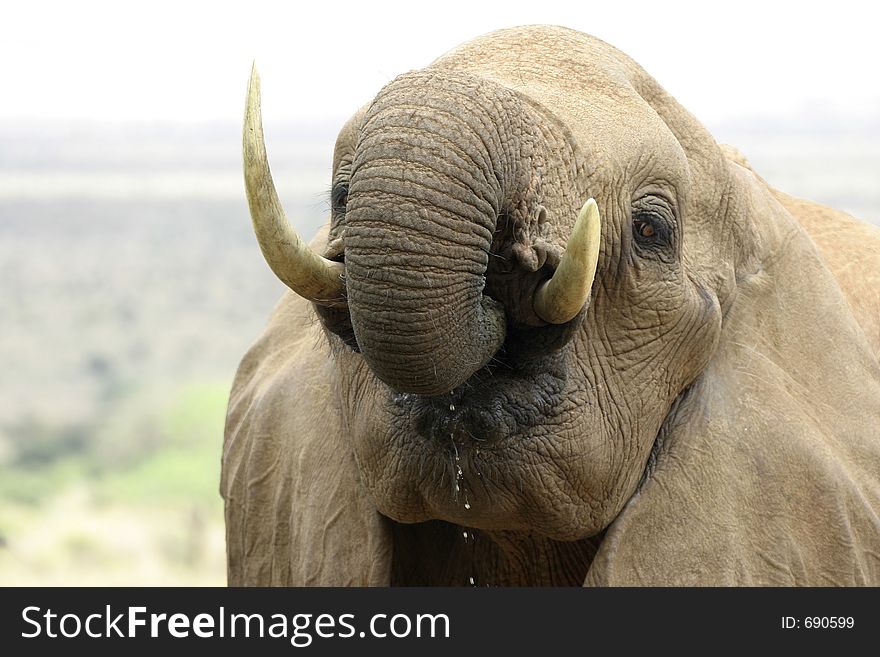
[554, 335]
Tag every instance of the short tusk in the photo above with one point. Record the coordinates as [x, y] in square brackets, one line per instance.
[305, 272]
[560, 299]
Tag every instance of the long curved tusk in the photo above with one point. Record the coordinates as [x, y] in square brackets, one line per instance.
[561, 298]
[305, 272]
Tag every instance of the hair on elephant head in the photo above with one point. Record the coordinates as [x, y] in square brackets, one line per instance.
[562, 323]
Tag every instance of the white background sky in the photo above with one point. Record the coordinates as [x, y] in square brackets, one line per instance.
[180, 60]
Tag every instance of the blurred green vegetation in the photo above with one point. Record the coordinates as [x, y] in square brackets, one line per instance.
[123, 317]
[129, 498]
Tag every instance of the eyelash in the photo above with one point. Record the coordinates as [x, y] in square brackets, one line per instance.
[338, 199]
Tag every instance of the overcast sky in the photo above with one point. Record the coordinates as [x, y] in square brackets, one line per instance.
[189, 61]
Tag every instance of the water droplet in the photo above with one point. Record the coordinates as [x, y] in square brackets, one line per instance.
[452, 407]
[471, 580]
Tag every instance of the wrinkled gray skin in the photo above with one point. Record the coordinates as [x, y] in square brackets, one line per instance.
[710, 417]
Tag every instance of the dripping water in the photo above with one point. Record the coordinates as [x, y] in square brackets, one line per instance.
[470, 537]
[459, 474]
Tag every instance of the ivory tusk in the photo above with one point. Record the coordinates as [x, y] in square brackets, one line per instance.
[561, 298]
[305, 272]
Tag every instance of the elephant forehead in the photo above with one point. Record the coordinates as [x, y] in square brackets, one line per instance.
[624, 141]
[600, 95]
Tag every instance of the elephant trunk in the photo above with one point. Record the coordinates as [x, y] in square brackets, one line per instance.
[441, 156]
[425, 193]
[420, 319]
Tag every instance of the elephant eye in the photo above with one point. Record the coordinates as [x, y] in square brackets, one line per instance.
[338, 199]
[653, 225]
[653, 233]
[643, 229]
[647, 228]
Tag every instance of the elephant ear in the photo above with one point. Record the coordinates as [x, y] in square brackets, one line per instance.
[767, 470]
[296, 514]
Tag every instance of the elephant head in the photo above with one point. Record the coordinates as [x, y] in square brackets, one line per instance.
[528, 272]
[502, 364]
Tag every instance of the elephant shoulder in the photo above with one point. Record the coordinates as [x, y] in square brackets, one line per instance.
[733, 154]
[292, 496]
[851, 249]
